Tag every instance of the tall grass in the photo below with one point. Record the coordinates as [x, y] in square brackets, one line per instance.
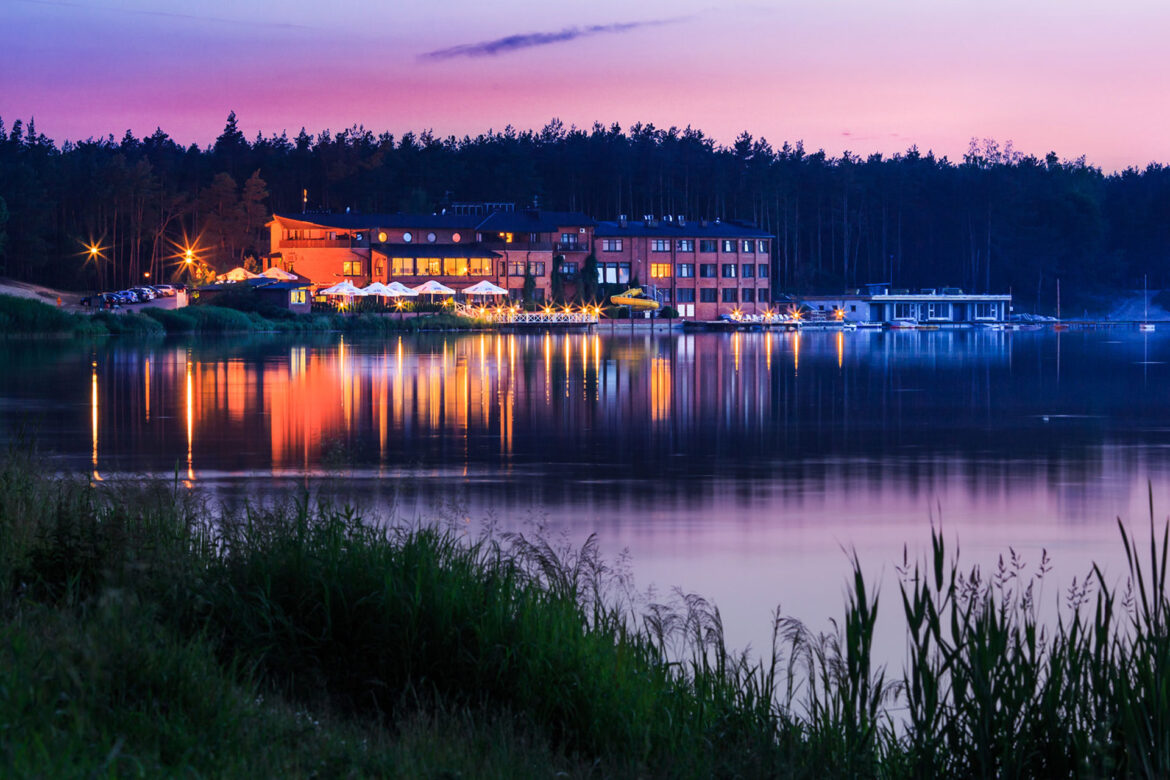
[26, 316]
[382, 628]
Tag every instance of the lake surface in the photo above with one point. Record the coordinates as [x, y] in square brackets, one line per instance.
[739, 466]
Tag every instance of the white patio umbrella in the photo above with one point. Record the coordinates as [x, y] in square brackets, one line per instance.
[379, 289]
[431, 287]
[485, 288]
[279, 274]
[237, 274]
[342, 288]
[400, 290]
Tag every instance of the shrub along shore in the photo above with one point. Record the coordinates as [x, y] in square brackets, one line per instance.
[142, 634]
[28, 317]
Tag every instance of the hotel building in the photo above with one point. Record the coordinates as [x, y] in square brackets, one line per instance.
[701, 268]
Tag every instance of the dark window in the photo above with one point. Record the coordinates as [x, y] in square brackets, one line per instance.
[660, 245]
[623, 273]
[686, 294]
[707, 245]
[729, 270]
[611, 245]
[749, 295]
[686, 270]
[762, 294]
[664, 295]
[762, 247]
[707, 294]
[748, 270]
[686, 245]
[568, 269]
[728, 246]
[763, 271]
[853, 307]
[748, 246]
[536, 269]
[729, 294]
[707, 270]
[515, 269]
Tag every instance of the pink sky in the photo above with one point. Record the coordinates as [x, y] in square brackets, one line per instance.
[1074, 76]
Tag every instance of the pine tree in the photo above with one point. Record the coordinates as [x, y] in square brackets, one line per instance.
[557, 281]
[589, 279]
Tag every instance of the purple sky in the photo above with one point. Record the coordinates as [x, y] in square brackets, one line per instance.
[1074, 76]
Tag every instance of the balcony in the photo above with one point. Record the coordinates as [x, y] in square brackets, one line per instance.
[571, 246]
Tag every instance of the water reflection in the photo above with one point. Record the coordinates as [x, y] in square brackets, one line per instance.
[733, 464]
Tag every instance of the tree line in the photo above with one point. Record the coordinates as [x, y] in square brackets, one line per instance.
[993, 221]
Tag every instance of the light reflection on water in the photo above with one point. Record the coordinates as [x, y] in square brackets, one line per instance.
[735, 465]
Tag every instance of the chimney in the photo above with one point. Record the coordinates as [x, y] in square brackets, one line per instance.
[682, 220]
[622, 221]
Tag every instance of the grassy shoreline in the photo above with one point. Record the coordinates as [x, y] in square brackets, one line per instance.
[141, 633]
[28, 317]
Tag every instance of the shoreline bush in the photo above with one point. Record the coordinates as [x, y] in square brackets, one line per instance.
[27, 317]
[167, 626]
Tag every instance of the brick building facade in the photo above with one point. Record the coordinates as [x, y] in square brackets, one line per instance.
[701, 268]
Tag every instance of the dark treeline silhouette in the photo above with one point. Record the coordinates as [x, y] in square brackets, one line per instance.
[996, 220]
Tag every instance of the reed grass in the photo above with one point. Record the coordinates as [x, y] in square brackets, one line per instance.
[142, 633]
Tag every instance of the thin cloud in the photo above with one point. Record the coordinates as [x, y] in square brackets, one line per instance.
[513, 43]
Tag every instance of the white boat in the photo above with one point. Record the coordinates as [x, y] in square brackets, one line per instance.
[849, 326]
[903, 324]
[869, 325]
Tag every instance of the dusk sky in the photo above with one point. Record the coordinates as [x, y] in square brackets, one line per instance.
[1073, 76]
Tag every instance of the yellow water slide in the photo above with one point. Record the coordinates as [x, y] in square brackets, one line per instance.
[635, 299]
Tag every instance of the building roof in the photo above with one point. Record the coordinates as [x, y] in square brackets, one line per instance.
[533, 221]
[259, 283]
[436, 250]
[688, 229]
[374, 221]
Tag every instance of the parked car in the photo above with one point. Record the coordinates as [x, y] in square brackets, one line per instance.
[127, 296]
[164, 289]
[144, 293]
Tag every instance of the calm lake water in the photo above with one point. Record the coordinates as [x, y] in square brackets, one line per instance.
[738, 466]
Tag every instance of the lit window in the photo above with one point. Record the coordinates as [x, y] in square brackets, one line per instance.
[660, 270]
[297, 296]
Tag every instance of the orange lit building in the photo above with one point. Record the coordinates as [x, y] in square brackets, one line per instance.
[701, 268]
